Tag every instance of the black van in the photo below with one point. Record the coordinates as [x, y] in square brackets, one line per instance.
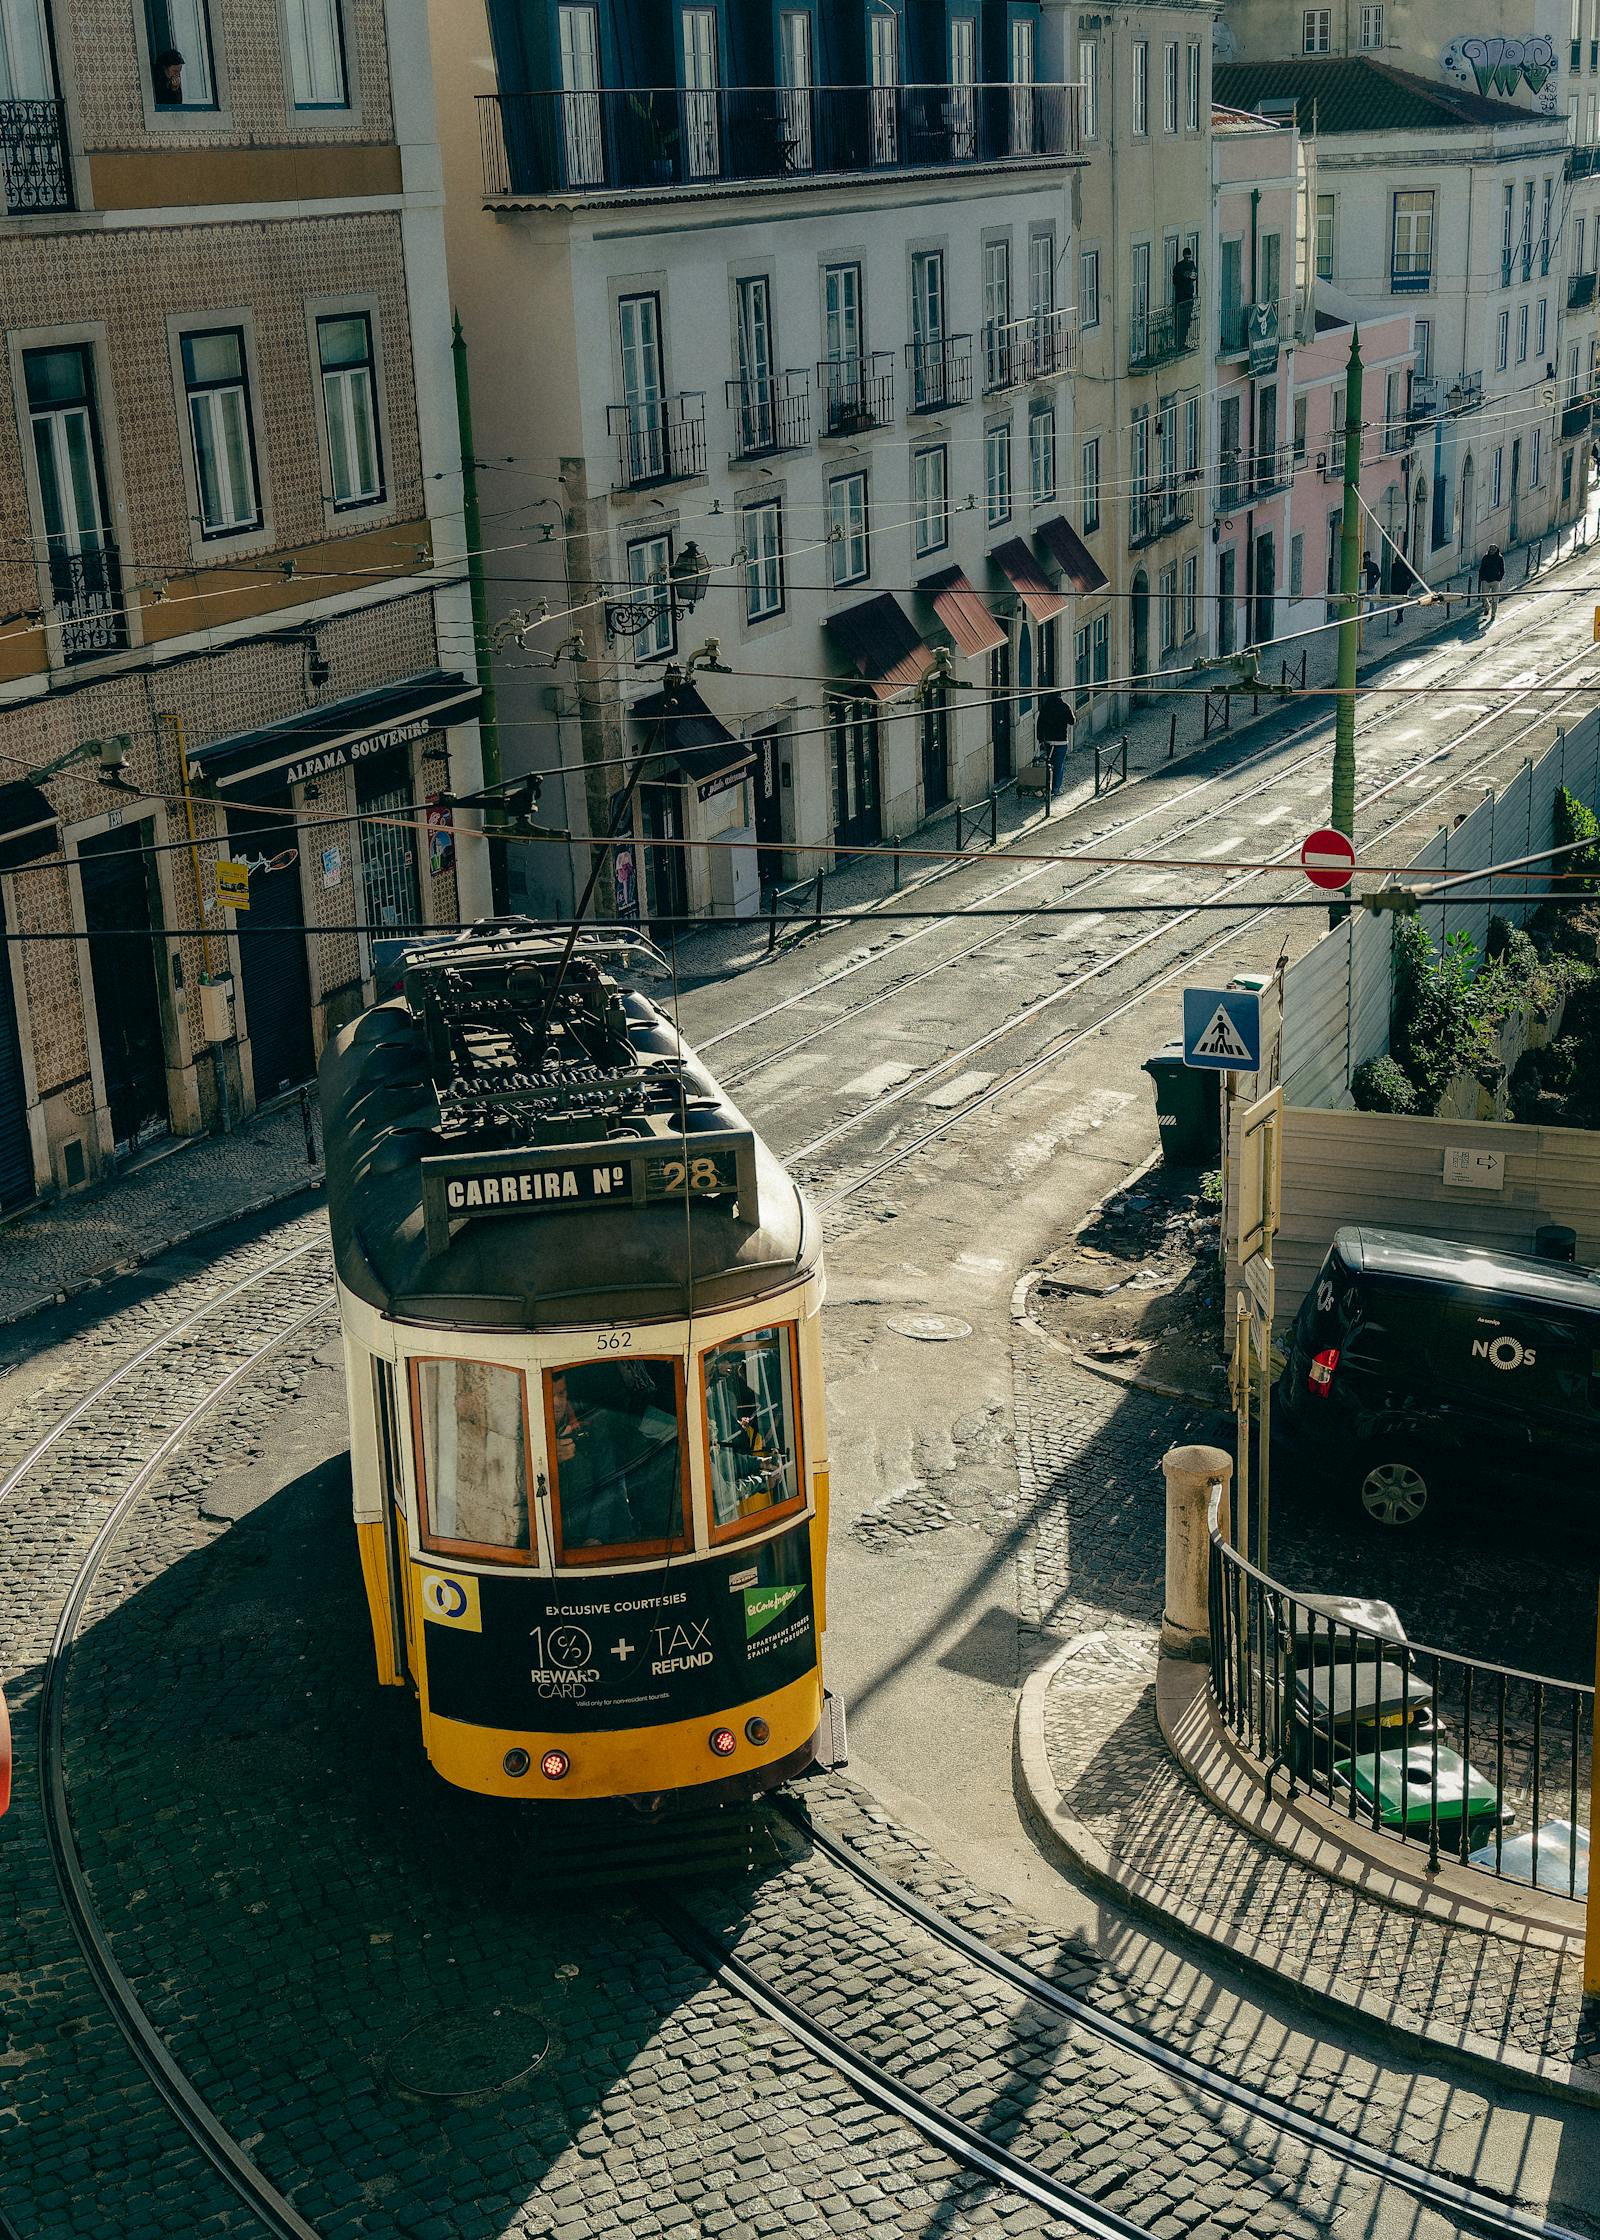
[1419, 1369]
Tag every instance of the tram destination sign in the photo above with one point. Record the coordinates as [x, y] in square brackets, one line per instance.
[569, 1177]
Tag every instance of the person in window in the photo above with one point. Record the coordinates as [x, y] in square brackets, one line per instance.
[167, 73]
[747, 1456]
[592, 1490]
[617, 1465]
[1185, 279]
[1054, 731]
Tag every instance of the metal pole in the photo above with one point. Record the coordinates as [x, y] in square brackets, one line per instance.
[488, 732]
[1344, 735]
[1591, 1939]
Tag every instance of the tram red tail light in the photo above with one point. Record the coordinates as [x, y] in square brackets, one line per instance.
[757, 1730]
[1319, 1377]
[555, 1765]
[724, 1742]
[516, 1763]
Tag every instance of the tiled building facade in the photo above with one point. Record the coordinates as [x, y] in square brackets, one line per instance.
[230, 505]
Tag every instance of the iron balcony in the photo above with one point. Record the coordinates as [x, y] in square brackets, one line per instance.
[857, 393]
[661, 439]
[1156, 338]
[940, 372]
[770, 414]
[35, 167]
[1157, 513]
[86, 593]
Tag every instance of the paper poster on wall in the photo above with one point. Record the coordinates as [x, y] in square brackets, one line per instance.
[332, 865]
[441, 835]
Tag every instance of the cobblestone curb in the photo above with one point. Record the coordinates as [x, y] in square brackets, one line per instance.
[1114, 1730]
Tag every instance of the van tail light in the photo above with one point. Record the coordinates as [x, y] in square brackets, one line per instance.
[1319, 1377]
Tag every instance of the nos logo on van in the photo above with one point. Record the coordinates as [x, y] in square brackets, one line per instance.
[1504, 1353]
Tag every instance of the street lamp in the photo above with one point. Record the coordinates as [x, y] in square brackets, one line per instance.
[691, 575]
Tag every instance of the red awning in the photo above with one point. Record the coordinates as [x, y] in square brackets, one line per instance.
[1070, 554]
[972, 628]
[1033, 587]
[882, 644]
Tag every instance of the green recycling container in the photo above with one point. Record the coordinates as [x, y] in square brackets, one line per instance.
[1188, 1109]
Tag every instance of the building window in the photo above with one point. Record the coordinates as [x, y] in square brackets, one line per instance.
[316, 54]
[1089, 79]
[182, 75]
[997, 472]
[1297, 567]
[1192, 99]
[1411, 257]
[1167, 605]
[350, 409]
[1102, 648]
[999, 365]
[1325, 223]
[847, 527]
[1191, 594]
[1141, 86]
[650, 581]
[79, 554]
[1536, 458]
[1393, 423]
[1497, 477]
[1371, 28]
[1169, 87]
[752, 341]
[763, 560]
[1042, 454]
[1422, 344]
[1047, 642]
[1080, 665]
[927, 329]
[930, 504]
[1301, 409]
[1522, 334]
[1502, 341]
[217, 391]
[1316, 30]
[1091, 485]
[1191, 437]
[1089, 290]
[1539, 328]
[1508, 219]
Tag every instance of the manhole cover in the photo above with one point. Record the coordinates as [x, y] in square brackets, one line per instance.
[458, 2056]
[933, 1329]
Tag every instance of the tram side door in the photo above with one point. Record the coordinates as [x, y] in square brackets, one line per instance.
[273, 966]
[394, 1535]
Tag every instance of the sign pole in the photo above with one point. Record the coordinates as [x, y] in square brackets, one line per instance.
[1591, 1939]
[1343, 818]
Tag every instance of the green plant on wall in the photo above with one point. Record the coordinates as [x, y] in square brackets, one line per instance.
[1573, 823]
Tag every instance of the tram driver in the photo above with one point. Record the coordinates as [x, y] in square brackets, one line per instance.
[618, 1478]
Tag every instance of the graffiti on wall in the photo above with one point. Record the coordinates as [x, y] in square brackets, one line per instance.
[1498, 68]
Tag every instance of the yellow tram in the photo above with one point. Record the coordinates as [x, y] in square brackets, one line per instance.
[581, 1308]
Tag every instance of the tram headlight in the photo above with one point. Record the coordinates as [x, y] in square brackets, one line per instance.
[516, 1763]
[758, 1731]
[724, 1742]
[555, 1765]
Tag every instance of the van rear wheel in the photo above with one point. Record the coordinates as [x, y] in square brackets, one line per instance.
[1393, 1487]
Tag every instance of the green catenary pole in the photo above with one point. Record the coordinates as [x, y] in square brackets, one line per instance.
[1344, 736]
[487, 731]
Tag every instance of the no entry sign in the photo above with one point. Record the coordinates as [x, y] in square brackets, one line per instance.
[1328, 859]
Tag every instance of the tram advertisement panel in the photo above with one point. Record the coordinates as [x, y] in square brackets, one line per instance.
[575, 1655]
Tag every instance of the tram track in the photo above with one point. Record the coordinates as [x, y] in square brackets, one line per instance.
[219, 2149]
[1182, 914]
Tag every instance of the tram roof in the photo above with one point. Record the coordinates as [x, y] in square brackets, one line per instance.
[500, 1137]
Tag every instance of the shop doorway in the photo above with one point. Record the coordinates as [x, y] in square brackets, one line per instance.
[1227, 563]
[769, 803]
[1266, 587]
[1141, 632]
[1002, 715]
[274, 976]
[854, 774]
[121, 912]
[935, 727]
[666, 880]
[388, 828]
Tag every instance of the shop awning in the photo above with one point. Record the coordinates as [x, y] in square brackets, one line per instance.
[344, 732]
[973, 629]
[1070, 554]
[882, 644]
[1040, 598]
[701, 747]
[29, 827]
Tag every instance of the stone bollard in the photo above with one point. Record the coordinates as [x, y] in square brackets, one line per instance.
[1190, 1473]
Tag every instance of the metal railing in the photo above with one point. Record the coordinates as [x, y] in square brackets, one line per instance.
[1385, 1730]
[1007, 354]
[1052, 343]
[1156, 338]
[1580, 290]
[662, 439]
[688, 138]
[35, 165]
[86, 593]
[771, 414]
[856, 393]
[1157, 512]
[1576, 416]
[939, 372]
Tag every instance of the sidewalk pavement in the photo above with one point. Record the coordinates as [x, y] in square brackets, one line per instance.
[184, 1187]
[1125, 1775]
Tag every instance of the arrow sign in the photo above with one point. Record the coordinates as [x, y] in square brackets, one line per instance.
[1222, 1029]
[1328, 859]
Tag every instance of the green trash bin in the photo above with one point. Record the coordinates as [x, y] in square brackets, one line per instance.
[1188, 1109]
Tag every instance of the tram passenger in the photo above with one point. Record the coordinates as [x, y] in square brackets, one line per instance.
[617, 1468]
[749, 1455]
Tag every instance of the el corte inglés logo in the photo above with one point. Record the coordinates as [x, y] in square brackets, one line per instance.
[763, 1604]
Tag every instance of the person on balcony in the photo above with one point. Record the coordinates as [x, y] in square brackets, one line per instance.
[1185, 280]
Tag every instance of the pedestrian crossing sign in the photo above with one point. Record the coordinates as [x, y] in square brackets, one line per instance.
[1222, 1029]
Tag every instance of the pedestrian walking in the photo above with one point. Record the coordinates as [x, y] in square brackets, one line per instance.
[1491, 574]
[1053, 731]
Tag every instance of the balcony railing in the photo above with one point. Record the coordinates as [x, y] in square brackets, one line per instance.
[1156, 338]
[1156, 513]
[1582, 162]
[1576, 416]
[86, 593]
[1052, 343]
[940, 372]
[1580, 290]
[1007, 354]
[856, 393]
[1410, 275]
[770, 414]
[662, 439]
[35, 168]
[611, 141]
[1271, 470]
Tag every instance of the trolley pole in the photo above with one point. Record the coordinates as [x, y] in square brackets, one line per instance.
[488, 731]
[1344, 733]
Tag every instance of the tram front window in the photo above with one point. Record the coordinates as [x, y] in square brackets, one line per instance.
[750, 1419]
[472, 1451]
[616, 1459]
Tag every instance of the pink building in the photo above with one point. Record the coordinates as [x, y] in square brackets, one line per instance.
[1390, 486]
